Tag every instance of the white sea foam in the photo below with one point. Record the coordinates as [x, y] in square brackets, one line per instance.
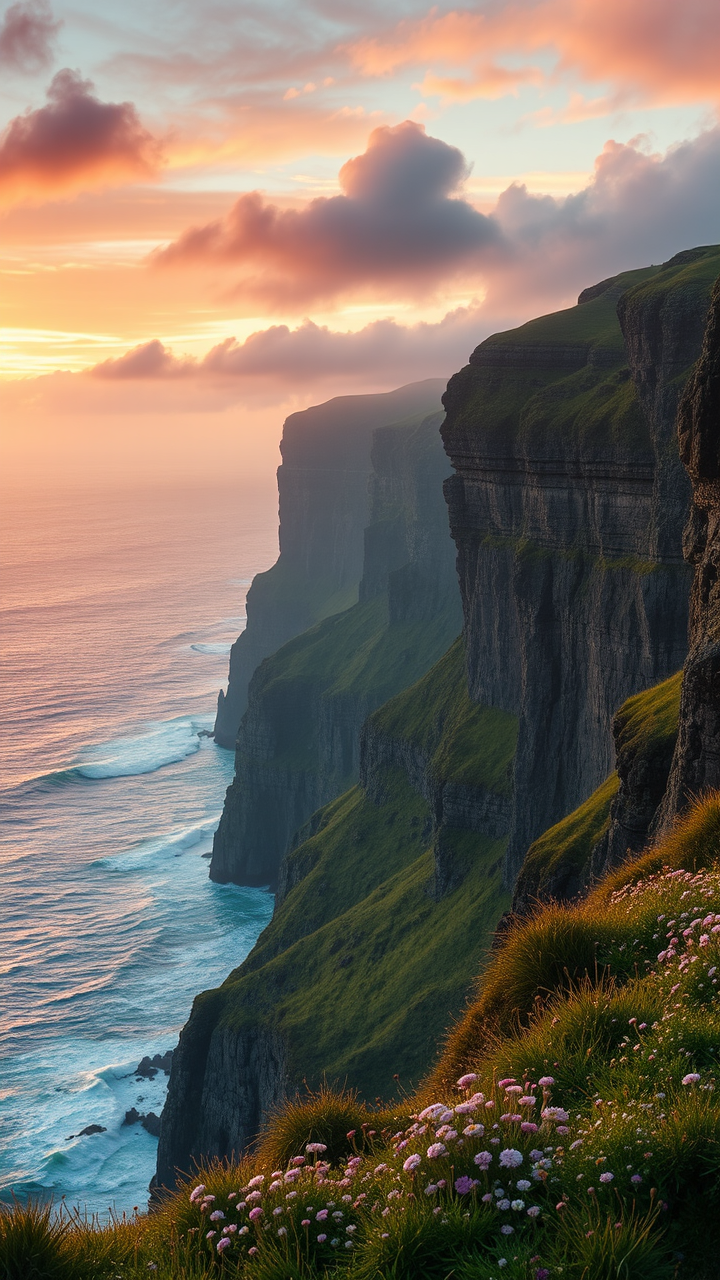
[159, 850]
[164, 743]
[220, 647]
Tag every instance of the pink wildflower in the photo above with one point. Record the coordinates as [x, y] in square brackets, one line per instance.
[465, 1081]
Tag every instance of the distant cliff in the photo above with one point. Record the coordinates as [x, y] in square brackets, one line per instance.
[299, 741]
[323, 507]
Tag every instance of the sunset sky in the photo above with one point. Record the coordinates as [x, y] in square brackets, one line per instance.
[213, 214]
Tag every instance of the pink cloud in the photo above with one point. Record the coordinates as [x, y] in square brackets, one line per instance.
[27, 35]
[74, 142]
[382, 352]
[400, 224]
[402, 228]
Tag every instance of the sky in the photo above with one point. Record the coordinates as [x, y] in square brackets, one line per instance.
[213, 215]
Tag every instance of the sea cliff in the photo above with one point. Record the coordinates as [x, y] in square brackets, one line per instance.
[567, 524]
[299, 740]
[567, 507]
[323, 512]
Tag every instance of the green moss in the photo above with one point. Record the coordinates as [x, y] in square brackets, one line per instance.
[567, 846]
[360, 968]
[463, 741]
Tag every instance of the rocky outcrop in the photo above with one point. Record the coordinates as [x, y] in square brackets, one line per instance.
[323, 507]
[299, 741]
[220, 1084]
[566, 507]
[696, 761]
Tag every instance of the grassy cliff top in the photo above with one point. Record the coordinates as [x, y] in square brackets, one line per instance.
[563, 379]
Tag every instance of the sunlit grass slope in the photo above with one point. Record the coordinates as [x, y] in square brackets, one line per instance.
[570, 1129]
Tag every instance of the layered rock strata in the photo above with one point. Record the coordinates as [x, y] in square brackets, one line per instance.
[696, 762]
[566, 507]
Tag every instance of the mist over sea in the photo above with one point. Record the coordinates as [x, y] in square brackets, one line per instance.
[117, 614]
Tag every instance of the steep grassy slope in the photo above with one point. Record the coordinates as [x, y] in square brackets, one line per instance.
[358, 968]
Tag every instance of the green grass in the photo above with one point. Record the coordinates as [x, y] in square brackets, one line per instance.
[360, 967]
[622, 1184]
[565, 849]
[463, 741]
[645, 734]
[649, 721]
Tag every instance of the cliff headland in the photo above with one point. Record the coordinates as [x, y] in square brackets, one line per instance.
[566, 510]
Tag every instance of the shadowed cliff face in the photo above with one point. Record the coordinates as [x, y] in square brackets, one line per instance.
[324, 509]
[567, 508]
[696, 762]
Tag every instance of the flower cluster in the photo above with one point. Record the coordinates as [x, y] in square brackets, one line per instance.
[492, 1153]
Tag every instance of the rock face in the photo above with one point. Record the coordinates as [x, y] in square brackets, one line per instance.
[567, 508]
[322, 490]
[299, 741]
[219, 1086]
[696, 762]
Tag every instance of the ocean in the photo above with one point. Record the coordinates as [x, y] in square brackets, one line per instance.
[118, 611]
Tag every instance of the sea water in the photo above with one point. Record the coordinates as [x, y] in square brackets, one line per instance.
[118, 611]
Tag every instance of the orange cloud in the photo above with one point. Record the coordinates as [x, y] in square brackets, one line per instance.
[653, 50]
[398, 229]
[74, 142]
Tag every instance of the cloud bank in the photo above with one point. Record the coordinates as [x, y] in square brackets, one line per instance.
[74, 142]
[280, 359]
[403, 228]
[27, 36]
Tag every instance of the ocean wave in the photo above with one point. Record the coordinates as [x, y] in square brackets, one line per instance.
[220, 647]
[160, 847]
[164, 743]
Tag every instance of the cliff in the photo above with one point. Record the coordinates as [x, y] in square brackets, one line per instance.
[567, 507]
[385, 913]
[299, 741]
[695, 768]
[323, 509]
[574, 597]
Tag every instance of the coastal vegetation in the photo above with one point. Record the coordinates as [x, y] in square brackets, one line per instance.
[571, 1126]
